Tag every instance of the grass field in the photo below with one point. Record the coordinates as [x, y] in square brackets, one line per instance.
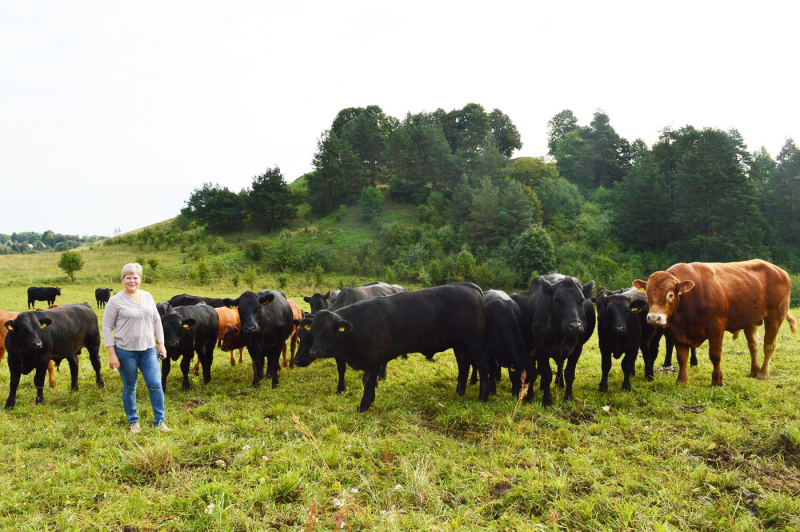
[662, 457]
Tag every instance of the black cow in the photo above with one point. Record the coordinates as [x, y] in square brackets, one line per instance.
[42, 293]
[185, 300]
[370, 333]
[345, 297]
[622, 329]
[266, 319]
[102, 295]
[188, 330]
[162, 308]
[562, 319]
[35, 338]
[505, 340]
[319, 301]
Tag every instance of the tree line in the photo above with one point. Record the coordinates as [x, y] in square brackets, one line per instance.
[32, 242]
[597, 205]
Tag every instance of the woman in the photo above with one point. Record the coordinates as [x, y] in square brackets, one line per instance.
[133, 317]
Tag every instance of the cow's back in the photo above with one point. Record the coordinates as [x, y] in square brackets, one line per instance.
[74, 326]
[738, 293]
[226, 316]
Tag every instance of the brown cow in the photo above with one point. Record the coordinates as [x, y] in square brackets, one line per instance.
[700, 301]
[6, 316]
[227, 316]
[297, 314]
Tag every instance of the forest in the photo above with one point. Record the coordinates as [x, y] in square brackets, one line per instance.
[595, 206]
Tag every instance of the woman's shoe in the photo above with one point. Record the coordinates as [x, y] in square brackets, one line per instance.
[164, 428]
[135, 428]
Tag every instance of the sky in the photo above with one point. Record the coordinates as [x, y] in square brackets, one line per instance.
[112, 113]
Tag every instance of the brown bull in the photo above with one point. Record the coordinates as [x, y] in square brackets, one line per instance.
[700, 301]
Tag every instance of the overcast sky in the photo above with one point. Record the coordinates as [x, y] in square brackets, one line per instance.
[112, 112]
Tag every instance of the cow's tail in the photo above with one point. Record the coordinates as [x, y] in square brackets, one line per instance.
[792, 323]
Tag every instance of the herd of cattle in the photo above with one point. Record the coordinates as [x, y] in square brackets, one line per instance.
[368, 326]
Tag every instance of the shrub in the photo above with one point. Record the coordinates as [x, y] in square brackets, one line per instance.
[465, 266]
[283, 252]
[71, 262]
[484, 277]
[235, 280]
[203, 274]
[533, 250]
[560, 199]
[371, 202]
[283, 280]
[250, 276]
[319, 272]
[153, 263]
[341, 212]
[254, 251]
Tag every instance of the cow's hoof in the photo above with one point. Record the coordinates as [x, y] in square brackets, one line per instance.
[568, 399]
[762, 375]
[650, 378]
[603, 387]
[626, 388]
[52, 384]
[361, 408]
[100, 384]
[9, 406]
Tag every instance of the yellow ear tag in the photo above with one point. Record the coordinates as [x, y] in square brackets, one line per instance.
[641, 290]
[43, 326]
[307, 326]
[341, 329]
[10, 328]
[267, 303]
[185, 325]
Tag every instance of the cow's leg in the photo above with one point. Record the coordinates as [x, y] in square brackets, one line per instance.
[283, 354]
[382, 372]
[94, 358]
[463, 374]
[38, 381]
[473, 378]
[51, 368]
[208, 360]
[341, 366]
[628, 363]
[274, 363]
[370, 382]
[546, 377]
[196, 368]
[569, 372]
[560, 375]
[73, 371]
[165, 367]
[233, 356]
[13, 384]
[668, 357]
[682, 354]
[292, 350]
[771, 327]
[693, 360]
[715, 355]
[186, 365]
[514, 375]
[605, 367]
[241, 352]
[751, 333]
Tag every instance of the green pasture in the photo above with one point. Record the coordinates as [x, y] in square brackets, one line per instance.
[662, 457]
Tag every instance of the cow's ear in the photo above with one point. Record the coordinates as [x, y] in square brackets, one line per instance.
[307, 299]
[640, 285]
[547, 288]
[344, 326]
[601, 299]
[188, 322]
[327, 295]
[305, 323]
[638, 305]
[587, 289]
[45, 322]
[685, 286]
[266, 299]
[9, 325]
[230, 303]
[296, 323]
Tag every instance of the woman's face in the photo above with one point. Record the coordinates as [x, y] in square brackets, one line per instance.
[131, 282]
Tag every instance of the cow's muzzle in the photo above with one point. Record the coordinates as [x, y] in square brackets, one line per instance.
[657, 319]
[575, 327]
[619, 329]
[251, 329]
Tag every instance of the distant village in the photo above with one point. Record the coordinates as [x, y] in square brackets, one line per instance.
[32, 242]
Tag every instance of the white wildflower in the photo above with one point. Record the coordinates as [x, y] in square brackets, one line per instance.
[210, 508]
[354, 490]
[398, 487]
[221, 463]
[341, 525]
[607, 408]
[338, 502]
[262, 480]
[265, 458]
[246, 448]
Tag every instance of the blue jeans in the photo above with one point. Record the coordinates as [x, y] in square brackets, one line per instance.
[130, 363]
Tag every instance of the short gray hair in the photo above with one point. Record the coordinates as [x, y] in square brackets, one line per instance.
[131, 267]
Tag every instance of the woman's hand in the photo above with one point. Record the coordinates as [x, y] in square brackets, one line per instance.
[162, 351]
[113, 361]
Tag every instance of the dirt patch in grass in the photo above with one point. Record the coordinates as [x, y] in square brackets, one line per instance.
[500, 488]
[581, 415]
[693, 409]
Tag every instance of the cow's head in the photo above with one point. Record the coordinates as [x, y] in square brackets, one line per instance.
[230, 336]
[302, 357]
[58, 291]
[614, 309]
[163, 308]
[24, 333]
[327, 330]
[177, 329]
[249, 305]
[318, 301]
[568, 314]
[664, 292]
